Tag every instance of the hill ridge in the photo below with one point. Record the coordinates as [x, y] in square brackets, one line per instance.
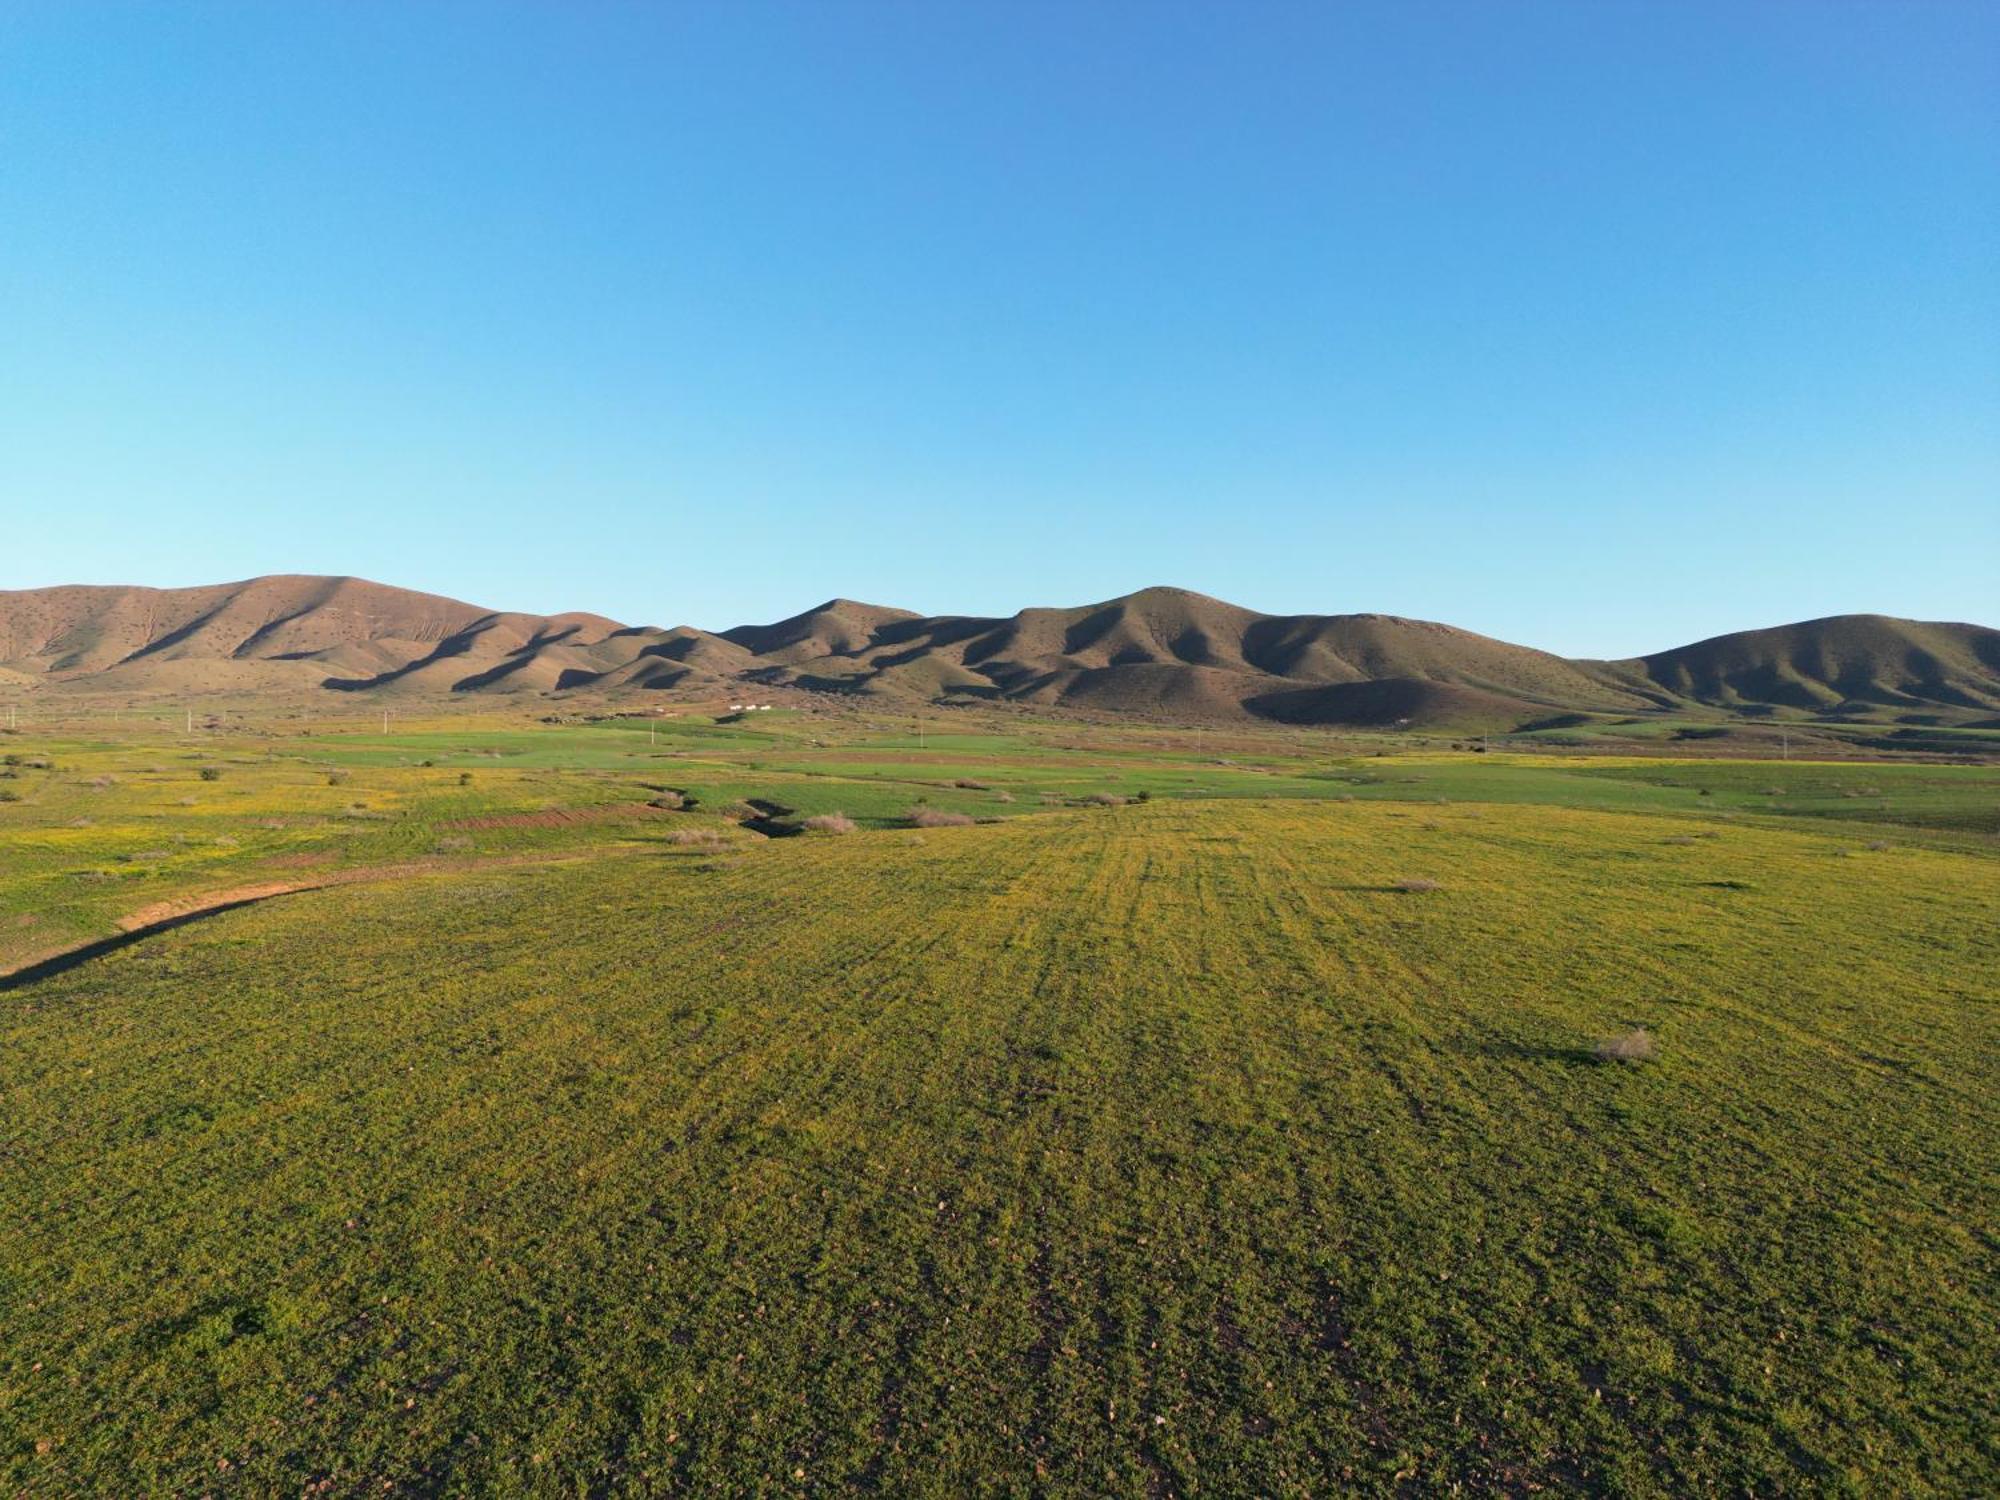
[1160, 650]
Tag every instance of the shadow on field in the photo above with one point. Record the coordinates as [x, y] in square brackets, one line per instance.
[62, 963]
[1527, 1051]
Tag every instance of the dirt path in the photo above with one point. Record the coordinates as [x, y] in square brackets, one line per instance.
[158, 916]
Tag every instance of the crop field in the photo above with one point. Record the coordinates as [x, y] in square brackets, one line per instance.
[1207, 1116]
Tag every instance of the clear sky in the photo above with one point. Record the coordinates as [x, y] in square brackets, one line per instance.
[1597, 326]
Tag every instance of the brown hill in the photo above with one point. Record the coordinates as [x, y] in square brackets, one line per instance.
[1163, 652]
[1845, 660]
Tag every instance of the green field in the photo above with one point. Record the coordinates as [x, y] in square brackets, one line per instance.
[1174, 1147]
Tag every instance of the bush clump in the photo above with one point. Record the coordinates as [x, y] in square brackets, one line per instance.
[937, 817]
[668, 800]
[1635, 1046]
[1105, 799]
[1417, 887]
[833, 822]
[210, 773]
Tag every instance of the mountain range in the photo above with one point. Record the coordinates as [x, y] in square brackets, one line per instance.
[1163, 652]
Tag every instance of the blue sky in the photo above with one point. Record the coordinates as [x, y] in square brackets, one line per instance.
[1596, 326]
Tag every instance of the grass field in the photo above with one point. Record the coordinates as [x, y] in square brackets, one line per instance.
[1164, 1148]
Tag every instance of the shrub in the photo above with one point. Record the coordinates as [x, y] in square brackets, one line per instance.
[8, 794]
[972, 786]
[1417, 887]
[1003, 796]
[1635, 1046]
[1105, 799]
[832, 822]
[210, 773]
[336, 778]
[937, 817]
[102, 783]
[685, 836]
[465, 778]
[669, 800]
[1144, 795]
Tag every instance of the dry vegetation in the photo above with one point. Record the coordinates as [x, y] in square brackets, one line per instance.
[1634, 1046]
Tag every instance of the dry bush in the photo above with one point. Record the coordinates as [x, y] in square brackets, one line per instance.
[1003, 796]
[694, 836]
[336, 778]
[1417, 887]
[1635, 1046]
[102, 783]
[669, 801]
[1105, 799]
[937, 817]
[833, 822]
[972, 786]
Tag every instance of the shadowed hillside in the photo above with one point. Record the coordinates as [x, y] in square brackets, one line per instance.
[1161, 651]
[1868, 660]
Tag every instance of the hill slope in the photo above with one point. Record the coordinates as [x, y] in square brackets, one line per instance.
[1824, 664]
[1160, 651]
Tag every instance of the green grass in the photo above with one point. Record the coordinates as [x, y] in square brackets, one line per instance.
[1161, 1149]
